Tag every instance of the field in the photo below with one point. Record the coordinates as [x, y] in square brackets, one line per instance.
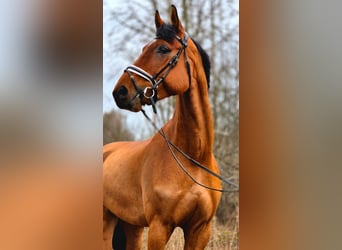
[223, 237]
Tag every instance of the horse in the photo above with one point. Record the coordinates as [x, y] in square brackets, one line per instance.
[143, 184]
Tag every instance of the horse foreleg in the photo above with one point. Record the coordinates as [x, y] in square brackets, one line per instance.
[197, 237]
[133, 236]
[158, 235]
[109, 223]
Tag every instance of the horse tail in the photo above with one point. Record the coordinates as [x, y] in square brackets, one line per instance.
[119, 237]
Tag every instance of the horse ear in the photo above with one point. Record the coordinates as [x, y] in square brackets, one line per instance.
[157, 19]
[175, 20]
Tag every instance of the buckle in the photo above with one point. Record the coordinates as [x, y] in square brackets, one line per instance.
[149, 92]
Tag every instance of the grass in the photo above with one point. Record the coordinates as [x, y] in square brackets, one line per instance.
[223, 237]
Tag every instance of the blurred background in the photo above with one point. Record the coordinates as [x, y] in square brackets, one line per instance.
[52, 73]
[50, 124]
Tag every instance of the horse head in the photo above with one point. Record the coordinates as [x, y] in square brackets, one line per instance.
[161, 70]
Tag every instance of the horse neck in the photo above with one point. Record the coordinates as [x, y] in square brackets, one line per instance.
[192, 124]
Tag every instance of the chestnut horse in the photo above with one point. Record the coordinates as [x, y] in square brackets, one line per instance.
[143, 185]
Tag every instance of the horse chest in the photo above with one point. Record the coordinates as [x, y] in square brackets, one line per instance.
[181, 204]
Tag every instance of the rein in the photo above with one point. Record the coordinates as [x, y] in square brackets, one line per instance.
[151, 93]
[193, 161]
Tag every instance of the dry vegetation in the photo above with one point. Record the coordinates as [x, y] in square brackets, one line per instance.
[223, 237]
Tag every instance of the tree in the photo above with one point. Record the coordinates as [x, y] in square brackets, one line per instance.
[214, 24]
[115, 128]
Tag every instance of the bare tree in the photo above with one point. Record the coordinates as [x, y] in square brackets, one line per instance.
[115, 128]
[214, 24]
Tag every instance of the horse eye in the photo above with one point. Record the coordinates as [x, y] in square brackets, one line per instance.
[162, 49]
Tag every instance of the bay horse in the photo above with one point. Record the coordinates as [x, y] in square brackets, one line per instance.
[143, 185]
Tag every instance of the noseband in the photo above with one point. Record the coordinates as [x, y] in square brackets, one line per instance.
[151, 93]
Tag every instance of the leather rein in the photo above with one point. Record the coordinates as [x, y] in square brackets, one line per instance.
[151, 93]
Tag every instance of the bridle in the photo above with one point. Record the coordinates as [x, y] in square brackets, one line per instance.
[151, 93]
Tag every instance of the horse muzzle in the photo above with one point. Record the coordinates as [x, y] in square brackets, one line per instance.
[124, 100]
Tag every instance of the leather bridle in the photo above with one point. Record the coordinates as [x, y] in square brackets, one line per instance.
[151, 93]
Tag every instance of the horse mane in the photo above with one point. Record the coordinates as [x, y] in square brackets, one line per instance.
[205, 60]
[168, 32]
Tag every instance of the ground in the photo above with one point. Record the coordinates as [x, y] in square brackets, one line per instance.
[223, 237]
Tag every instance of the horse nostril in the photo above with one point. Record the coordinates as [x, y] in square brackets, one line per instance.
[122, 91]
